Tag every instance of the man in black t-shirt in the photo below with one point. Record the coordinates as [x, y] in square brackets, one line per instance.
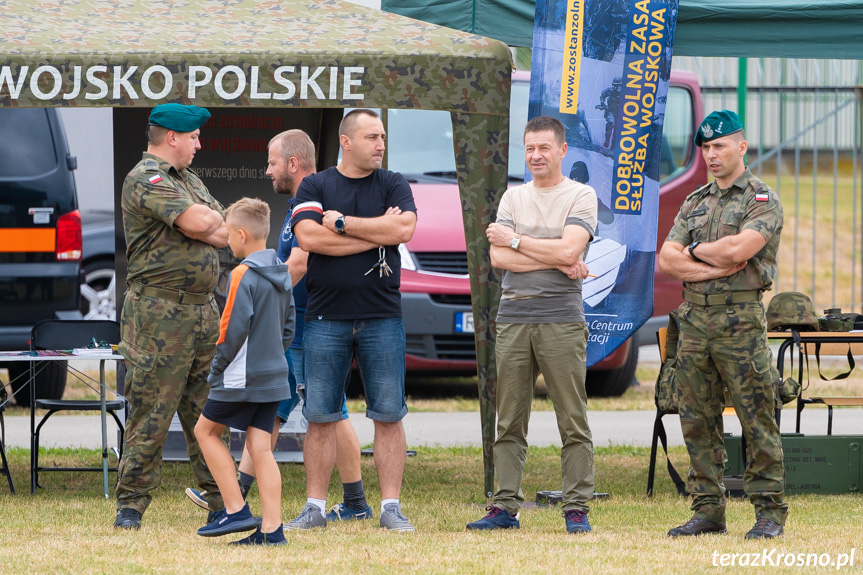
[351, 219]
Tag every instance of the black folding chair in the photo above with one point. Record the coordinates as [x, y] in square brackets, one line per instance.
[68, 335]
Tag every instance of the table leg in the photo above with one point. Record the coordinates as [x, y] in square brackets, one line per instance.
[32, 385]
[104, 425]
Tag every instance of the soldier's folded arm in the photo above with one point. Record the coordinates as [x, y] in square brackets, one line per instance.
[314, 237]
[204, 224]
[675, 261]
[731, 250]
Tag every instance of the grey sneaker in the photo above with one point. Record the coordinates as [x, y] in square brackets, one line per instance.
[393, 519]
[309, 518]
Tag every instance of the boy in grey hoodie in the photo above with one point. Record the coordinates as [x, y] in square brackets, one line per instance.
[249, 375]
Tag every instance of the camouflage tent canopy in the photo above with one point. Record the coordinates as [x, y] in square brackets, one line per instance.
[243, 53]
[251, 53]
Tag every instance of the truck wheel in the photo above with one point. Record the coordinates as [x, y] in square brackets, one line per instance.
[50, 381]
[613, 382]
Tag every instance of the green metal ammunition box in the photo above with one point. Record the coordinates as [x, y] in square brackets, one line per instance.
[813, 463]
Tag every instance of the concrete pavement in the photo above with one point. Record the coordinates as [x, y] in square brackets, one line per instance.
[461, 428]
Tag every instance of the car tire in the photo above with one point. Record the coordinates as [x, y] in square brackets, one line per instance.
[98, 293]
[613, 382]
[50, 380]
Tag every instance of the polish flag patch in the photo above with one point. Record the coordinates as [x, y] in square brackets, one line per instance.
[155, 179]
[762, 197]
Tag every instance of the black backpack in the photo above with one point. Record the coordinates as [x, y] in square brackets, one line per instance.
[665, 398]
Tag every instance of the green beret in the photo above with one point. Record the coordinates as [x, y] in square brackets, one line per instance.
[716, 125]
[178, 117]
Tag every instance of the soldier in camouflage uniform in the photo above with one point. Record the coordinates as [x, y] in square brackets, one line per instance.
[170, 321]
[723, 247]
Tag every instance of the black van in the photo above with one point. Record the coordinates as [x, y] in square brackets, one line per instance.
[40, 239]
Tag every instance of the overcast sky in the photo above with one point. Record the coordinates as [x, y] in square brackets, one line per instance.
[369, 3]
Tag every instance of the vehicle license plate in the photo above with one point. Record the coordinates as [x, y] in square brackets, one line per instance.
[464, 322]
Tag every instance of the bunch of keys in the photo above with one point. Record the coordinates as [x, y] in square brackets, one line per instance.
[382, 266]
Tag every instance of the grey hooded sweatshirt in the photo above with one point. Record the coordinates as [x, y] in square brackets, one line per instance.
[257, 327]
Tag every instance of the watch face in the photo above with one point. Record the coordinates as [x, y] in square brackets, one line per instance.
[340, 224]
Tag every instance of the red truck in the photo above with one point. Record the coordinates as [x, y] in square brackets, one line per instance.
[435, 285]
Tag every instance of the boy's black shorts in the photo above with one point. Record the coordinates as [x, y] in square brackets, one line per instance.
[242, 415]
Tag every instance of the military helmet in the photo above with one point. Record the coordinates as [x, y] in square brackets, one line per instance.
[791, 310]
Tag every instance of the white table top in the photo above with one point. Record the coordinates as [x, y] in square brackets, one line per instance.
[54, 355]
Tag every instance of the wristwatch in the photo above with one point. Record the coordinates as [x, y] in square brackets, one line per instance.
[339, 224]
[692, 246]
[516, 241]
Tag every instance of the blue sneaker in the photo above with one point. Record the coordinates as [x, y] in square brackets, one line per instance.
[227, 523]
[497, 518]
[576, 521]
[215, 515]
[198, 497]
[277, 537]
[341, 512]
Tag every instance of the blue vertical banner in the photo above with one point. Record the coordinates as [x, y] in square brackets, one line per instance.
[602, 67]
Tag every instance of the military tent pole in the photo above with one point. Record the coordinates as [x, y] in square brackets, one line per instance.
[742, 64]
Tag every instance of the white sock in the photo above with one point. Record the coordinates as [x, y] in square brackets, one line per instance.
[321, 504]
[386, 502]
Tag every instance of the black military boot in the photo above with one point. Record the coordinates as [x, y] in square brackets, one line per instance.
[128, 519]
[697, 526]
[764, 529]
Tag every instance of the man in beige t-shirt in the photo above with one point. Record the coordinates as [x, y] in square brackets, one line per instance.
[539, 243]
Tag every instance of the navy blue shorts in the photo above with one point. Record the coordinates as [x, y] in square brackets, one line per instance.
[242, 415]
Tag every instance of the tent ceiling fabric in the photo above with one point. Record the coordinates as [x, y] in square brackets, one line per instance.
[407, 62]
[743, 28]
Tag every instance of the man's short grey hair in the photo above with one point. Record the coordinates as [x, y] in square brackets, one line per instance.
[297, 144]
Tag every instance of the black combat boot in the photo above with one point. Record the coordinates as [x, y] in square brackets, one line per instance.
[128, 518]
[764, 529]
[697, 526]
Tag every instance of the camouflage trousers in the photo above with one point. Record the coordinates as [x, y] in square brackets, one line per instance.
[168, 349]
[725, 348]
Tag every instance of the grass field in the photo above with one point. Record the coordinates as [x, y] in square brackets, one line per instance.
[67, 526]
